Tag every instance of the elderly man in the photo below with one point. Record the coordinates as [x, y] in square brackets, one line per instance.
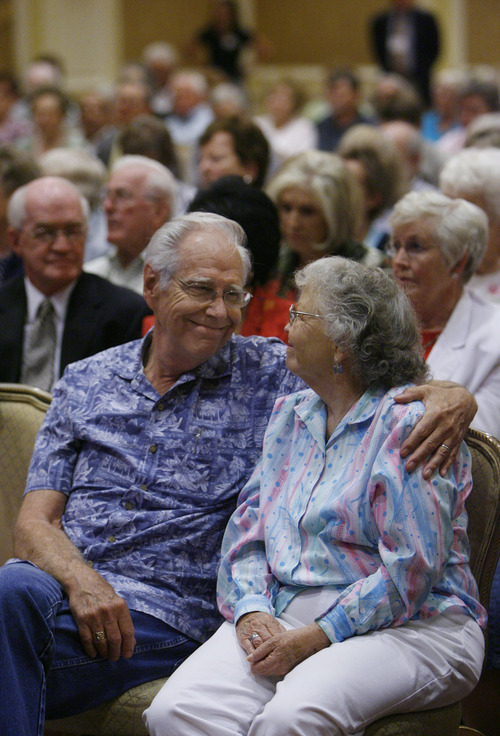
[135, 472]
[190, 117]
[56, 314]
[140, 198]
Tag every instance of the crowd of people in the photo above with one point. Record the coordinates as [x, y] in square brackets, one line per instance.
[266, 326]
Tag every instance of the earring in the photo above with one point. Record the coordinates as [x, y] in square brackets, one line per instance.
[337, 367]
[248, 179]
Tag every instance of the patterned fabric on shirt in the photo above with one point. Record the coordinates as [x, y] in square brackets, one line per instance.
[152, 480]
[346, 516]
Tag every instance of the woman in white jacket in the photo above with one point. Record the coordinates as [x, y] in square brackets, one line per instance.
[437, 243]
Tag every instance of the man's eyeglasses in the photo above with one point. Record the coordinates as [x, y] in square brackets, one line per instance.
[293, 313]
[49, 233]
[205, 294]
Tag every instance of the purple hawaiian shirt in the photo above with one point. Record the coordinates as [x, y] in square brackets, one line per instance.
[152, 480]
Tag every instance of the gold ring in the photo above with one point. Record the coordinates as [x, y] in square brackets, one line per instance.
[99, 635]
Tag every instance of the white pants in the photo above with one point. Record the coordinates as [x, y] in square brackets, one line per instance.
[339, 690]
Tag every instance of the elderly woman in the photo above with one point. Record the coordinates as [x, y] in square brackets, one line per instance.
[233, 147]
[288, 132]
[437, 244]
[344, 580]
[320, 208]
[474, 174]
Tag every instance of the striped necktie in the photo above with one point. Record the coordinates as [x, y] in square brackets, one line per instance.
[38, 359]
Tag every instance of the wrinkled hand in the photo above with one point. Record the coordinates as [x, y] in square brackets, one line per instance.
[259, 623]
[279, 654]
[449, 409]
[96, 607]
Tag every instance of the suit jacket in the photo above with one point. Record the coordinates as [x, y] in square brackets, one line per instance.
[100, 315]
[468, 352]
[426, 49]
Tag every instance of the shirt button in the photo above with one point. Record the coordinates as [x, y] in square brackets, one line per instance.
[111, 538]
[153, 449]
[161, 406]
[143, 487]
[129, 505]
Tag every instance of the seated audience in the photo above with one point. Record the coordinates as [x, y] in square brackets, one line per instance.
[410, 146]
[95, 115]
[16, 170]
[320, 210]
[484, 131]
[88, 174]
[342, 92]
[477, 97]
[347, 596]
[474, 174]
[443, 115]
[287, 131]
[160, 60]
[50, 126]
[56, 314]
[190, 116]
[394, 98]
[11, 127]
[130, 99]
[374, 160]
[437, 244]
[134, 475]
[232, 146]
[140, 197]
[147, 136]
[229, 100]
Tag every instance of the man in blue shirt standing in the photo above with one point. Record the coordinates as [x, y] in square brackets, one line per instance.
[134, 475]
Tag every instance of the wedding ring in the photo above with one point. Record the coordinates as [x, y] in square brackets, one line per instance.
[445, 446]
[99, 635]
[254, 636]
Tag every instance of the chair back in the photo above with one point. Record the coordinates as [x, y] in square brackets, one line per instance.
[483, 509]
[22, 409]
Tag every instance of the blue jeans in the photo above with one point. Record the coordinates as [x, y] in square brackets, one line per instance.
[44, 672]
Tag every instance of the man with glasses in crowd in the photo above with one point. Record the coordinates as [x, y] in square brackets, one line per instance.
[55, 314]
[134, 475]
[140, 197]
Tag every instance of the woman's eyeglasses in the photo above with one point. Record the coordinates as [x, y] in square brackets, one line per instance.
[293, 313]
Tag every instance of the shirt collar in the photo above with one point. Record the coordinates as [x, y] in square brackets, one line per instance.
[217, 366]
[312, 411]
[59, 300]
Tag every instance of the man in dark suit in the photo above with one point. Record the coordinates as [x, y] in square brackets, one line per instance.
[406, 41]
[47, 228]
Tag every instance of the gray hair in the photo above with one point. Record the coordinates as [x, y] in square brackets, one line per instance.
[459, 227]
[194, 80]
[160, 51]
[326, 177]
[162, 253]
[474, 172]
[82, 169]
[367, 315]
[160, 182]
[16, 209]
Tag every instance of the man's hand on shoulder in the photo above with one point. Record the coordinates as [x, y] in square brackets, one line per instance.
[434, 442]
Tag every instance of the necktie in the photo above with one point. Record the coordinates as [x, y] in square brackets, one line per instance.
[38, 363]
